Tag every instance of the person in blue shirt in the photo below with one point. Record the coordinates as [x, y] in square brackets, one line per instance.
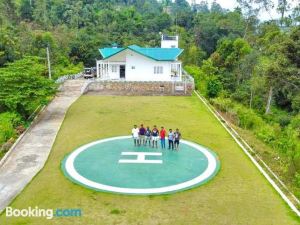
[155, 136]
[148, 136]
[142, 132]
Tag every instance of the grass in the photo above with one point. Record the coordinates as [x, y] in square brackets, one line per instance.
[239, 194]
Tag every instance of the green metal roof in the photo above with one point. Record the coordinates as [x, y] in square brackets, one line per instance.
[159, 54]
[108, 52]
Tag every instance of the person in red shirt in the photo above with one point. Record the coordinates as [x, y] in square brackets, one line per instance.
[162, 136]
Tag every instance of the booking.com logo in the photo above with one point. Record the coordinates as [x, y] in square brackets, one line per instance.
[37, 212]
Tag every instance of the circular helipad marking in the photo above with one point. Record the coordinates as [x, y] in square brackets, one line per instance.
[115, 165]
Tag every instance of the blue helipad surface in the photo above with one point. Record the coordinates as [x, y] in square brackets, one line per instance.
[116, 165]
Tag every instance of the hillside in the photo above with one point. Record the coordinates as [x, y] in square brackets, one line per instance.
[248, 69]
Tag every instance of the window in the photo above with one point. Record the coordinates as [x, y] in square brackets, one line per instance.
[158, 69]
[114, 68]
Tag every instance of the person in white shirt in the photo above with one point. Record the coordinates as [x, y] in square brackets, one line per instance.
[135, 135]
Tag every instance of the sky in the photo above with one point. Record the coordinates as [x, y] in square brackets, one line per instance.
[231, 4]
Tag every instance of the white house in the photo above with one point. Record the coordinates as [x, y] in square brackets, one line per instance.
[135, 63]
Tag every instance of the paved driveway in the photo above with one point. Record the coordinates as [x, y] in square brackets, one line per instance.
[28, 157]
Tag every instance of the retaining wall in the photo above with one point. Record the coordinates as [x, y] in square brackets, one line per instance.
[139, 88]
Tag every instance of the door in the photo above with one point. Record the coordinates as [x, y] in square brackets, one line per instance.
[122, 71]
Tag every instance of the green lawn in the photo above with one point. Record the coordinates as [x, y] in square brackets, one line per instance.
[239, 194]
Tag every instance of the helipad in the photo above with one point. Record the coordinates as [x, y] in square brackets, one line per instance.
[116, 165]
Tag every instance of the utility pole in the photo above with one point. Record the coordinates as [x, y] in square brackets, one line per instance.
[49, 65]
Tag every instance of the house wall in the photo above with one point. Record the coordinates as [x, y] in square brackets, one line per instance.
[169, 44]
[120, 57]
[138, 67]
[114, 75]
[141, 68]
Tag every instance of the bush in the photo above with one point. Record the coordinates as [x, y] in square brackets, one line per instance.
[62, 69]
[296, 103]
[295, 123]
[214, 87]
[8, 122]
[297, 179]
[222, 104]
[284, 120]
[248, 119]
[199, 77]
[285, 143]
[242, 94]
[266, 133]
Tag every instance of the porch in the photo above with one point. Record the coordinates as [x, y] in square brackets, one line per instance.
[110, 70]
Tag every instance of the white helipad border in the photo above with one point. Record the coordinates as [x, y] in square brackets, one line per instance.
[70, 169]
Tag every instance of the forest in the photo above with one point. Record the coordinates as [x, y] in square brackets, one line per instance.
[248, 69]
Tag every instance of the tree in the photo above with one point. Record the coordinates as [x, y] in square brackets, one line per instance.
[283, 7]
[195, 55]
[202, 7]
[182, 4]
[8, 7]
[281, 64]
[40, 13]
[210, 28]
[23, 85]
[72, 14]
[26, 10]
[8, 45]
[252, 9]
[216, 7]
[257, 88]
[295, 16]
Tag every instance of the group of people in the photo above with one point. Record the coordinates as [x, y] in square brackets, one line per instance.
[145, 136]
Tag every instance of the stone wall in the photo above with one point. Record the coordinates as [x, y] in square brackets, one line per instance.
[139, 88]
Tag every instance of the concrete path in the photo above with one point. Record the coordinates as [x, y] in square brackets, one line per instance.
[29, 155]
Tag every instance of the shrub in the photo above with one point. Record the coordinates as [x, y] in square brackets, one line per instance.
[296, 159]
[248, 119]
[296, 103]
[199, 77]
[285, 142]
[214, 87]
[6, 130]
[297, 179]
[295, 124]
[222, 104]
[284, 120]
[266, 133]
[66, 68]
[8, 121]
[242, 94]
[14, 118]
